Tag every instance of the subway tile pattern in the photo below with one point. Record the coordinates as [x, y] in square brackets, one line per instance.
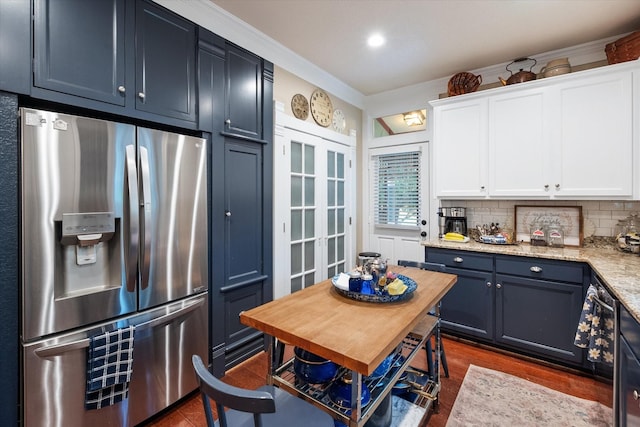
[599, 217]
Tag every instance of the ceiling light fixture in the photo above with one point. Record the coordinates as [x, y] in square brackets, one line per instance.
[375, 40]
[414, 118]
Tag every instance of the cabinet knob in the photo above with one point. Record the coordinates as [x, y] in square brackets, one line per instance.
[423, 234]
[141, 95]
[546, 187]
[557, 186]
[536, 269]
[458, 259]
[636, 395]
[498, 285]
[227, 213]
[482, 188]
[121, 89]
[488, 284]
[228, 121]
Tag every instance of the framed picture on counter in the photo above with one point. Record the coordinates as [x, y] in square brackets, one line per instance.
[569, 218]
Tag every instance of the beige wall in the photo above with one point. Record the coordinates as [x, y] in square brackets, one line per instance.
[286, 85]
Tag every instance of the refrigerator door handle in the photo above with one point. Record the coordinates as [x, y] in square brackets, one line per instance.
[59, 349]
[145, 255]
[132, 245]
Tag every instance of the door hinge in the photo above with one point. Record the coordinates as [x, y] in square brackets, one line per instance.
[349, 220]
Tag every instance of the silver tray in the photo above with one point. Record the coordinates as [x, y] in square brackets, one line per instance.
[378, 298]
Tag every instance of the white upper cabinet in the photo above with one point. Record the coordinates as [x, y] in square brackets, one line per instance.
[519, 144]
[567, 137]
[593, 137]
[460, 150]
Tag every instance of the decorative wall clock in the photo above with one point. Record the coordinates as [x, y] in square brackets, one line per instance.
[339, 122]
[300, 106]
[321, 108]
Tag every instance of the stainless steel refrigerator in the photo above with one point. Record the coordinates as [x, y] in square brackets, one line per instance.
[114, 233]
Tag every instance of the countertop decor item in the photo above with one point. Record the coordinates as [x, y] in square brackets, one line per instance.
[624, 49]
[378, 298]
[300, 106]
[567, 217]
[463, 82]
[321, 108]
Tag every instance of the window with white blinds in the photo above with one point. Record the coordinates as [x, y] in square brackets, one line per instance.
[396, 189]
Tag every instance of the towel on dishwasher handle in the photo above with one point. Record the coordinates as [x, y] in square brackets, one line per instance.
[109, 367]
[596, 329]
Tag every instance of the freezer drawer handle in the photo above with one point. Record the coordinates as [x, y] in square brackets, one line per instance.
[58, 349]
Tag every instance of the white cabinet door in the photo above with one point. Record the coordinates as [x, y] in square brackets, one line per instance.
[519, 144]
[593, 153]
[460, 149]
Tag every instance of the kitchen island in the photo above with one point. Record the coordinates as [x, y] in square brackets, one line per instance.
[356, 335]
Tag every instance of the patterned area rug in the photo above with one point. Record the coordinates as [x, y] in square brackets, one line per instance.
[492, 398]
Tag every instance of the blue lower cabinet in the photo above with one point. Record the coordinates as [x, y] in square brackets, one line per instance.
[529, 305]
[539, 316]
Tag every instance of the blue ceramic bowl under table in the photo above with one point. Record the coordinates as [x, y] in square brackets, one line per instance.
[311, 368]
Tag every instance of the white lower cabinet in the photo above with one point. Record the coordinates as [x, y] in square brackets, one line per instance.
[566, 137]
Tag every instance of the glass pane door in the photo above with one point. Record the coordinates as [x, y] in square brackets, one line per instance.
[313, 240]
[335, 210]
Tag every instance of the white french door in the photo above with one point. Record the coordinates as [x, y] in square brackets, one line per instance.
[313, 238]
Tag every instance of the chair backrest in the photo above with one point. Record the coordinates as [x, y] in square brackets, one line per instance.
[433, 266]
[225, 395]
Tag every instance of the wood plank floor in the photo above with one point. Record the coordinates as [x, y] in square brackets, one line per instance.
[251, 374]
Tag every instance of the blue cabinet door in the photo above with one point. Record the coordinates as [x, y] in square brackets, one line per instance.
[468, 308]
[629, 408]
[538, 316]
[15, 46]
[79, 48]
[243, 93]
[165, 63]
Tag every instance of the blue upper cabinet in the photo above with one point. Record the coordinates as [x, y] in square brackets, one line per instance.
[79, 48]
[243, 93]
[15, 46]
[127, 57]
[165, 63]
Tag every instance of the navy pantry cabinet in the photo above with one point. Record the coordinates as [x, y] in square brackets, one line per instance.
[529, 305]
[123, 57]
[241, 126]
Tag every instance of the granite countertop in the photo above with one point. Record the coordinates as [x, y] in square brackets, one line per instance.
[618, 270]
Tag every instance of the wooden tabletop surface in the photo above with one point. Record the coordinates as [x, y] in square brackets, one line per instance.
[354, 334]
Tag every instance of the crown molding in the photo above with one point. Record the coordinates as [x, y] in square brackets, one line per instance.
[217, 20]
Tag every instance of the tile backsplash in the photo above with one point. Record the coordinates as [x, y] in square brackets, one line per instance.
[599, 217]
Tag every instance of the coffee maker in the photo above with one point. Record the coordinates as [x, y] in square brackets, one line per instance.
[452, 220]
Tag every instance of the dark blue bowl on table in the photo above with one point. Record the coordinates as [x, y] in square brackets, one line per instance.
[311, 368]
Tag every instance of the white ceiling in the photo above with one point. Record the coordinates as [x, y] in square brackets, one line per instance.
[429, 39]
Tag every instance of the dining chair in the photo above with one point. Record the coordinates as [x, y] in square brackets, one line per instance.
[432, 266]
[267, 406]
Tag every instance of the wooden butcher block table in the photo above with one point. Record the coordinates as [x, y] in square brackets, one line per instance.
[357, 335]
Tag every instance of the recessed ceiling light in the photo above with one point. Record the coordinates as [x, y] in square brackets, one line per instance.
[375, 40]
